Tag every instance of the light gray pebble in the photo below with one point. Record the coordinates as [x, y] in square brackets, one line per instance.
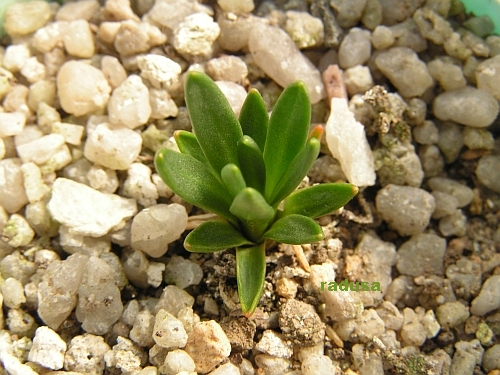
[407, 34]
[452, 314]
[422, 254]
[488, 172]
[407, 209]
[463, 363]
[432, 160]
[488, 76]
[426, 134]
[348, 12]
[355, 49]
[432, 26]
[478, 139]
[488, 298]
[416, 112]
[466, 277]
[449, 75]
[450, 141]
[453, 225]
[491, 358]
[405, 70]
[466, 106]
[473, 347]
[446, 204]
[463, 193]
[382, 37]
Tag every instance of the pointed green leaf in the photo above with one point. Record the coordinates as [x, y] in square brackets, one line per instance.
[214, 123]
[194, 182]
[233, 179]
[295, 230]
[188, 144]
[214, 236]
[252, 163]
[254, 118]
[295, 172]
[253, 211]
[250, 274]
[318, 200]
[249, 204]
[287, 132]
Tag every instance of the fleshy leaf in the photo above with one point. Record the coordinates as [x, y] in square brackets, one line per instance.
[295, 230]
[252, 163]
[188, 144]
[194, 182]
[214, 236]
[253, 211]
[254, 118]
[214, 123]
[250, 274]
[318, 200]
[233, 179]
[296, 171]
[287, 132]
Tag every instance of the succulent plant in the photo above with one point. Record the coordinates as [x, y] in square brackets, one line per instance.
[246, 171]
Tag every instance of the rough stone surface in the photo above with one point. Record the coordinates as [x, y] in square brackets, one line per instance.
[461, 192]
[300, 323]
[194, 37]
[25, 18]
[422, 254]
[407, 209]
[208, 345]
[277, 55]
[87, 211]
[488, 76]
[347, 142]
[183, 272]
[405, 70]
[168, 331]
[467, 106]
[85, 354]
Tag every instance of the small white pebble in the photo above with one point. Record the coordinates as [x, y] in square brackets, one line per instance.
[33, 70]
[48, 349]
[34, 186]
[155, 274]
[160, 71]
[17, 232]
[15, 57]
[168, 331]
[183, 272]
[176, 361]
[13, 293]
[11, 123]
[72, 133]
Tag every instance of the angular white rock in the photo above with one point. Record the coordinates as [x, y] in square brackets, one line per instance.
[11, 123]
[305, 30]
[33, 70]
[103, 179]
[274, 51]
[87, 211]
[176, 361]
[10, 361]
[347, 142]
[17, 231]
[113, 148]
[129, 103]
[49, 152]
[33, 182]
[155, 227]
[273, 344]
[208, 345]
[15, 57]
[13, 196]
[82, 88]
[78, 39]
[13, 293]
[196, 35]
[168, 331]
[138, 185]
[72, 133]
[48, 349]
[159, 70]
